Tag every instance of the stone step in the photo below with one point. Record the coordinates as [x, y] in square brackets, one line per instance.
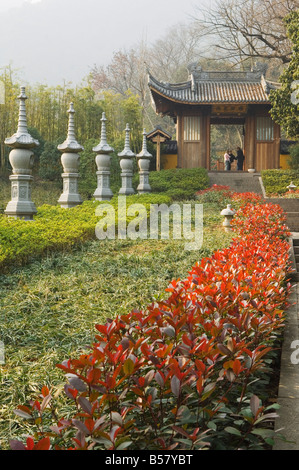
[238, 182]
[293, 221]
[288, 205]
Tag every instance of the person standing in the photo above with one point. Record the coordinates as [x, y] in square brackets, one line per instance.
[231, 157]
[240, 159]
[227, 162]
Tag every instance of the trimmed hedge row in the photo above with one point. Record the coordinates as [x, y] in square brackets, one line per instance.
[56, 229]
[276, 181]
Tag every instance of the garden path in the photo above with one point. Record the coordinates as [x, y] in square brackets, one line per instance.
[288, 391]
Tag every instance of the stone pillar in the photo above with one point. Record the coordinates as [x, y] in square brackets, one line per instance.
[126, 164]
[143, 159]
[103, 160]
[70, 161]
[21, 159]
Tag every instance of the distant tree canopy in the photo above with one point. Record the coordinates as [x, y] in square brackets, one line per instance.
[231, 36]
[285, 101]
[249, 30]
[47, 117]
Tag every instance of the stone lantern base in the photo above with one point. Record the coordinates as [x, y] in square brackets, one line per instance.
[21, 206]
[103, 191]
[144, 186]
[70, 197]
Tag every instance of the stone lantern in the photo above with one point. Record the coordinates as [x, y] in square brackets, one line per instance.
[126, 164]
[103, 160]
[292, 187]
[21, 159]
[70, 161]
[228, 214]
[143, 159]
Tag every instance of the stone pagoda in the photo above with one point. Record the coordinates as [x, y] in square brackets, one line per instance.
[143, 159]
[103, 161]
[126, 164]
[21, 159]
[70, 161]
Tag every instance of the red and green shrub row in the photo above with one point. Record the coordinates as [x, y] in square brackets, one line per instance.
[186, 372]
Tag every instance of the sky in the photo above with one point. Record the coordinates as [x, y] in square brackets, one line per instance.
[52, 41]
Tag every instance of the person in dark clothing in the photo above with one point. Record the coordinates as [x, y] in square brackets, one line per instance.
[232, 157]
[240, 159]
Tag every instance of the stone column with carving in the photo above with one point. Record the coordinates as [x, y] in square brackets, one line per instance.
[21, 159]
[70, 159]
[143, 159]
[103, 160]
[126, 164]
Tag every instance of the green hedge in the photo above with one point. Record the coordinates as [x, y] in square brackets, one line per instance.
[277, 181]
[55, 228]
[179, 184]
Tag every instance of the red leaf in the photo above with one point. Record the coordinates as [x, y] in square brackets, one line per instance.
[43, 444]
[254, 405]
[175, 386]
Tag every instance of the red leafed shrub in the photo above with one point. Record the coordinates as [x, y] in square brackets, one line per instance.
[247, 198]
[186, 372]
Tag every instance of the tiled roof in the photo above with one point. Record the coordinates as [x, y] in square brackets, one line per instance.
[216, 87]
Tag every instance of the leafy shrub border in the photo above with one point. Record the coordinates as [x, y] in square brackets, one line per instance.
[184, 372]
[56, 229]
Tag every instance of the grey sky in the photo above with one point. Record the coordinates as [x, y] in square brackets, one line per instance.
[49, 41]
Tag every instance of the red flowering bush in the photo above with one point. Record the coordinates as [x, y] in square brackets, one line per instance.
[247, 198]
[186, 372]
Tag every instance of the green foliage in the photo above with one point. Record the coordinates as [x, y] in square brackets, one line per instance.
[55, 229]
[186, 372]
[294, 157]
[50, 161]
[120, 110]
[284, 111]
[37, 150]
[87, 170]
[50, 306]
[179, 184]
[277, 181]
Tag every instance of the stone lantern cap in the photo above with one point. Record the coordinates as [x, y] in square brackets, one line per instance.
[22, 138]
[228, 210]
[292, 186]
[144, 152]
[70, 144]
[103, 146]
[127, 152]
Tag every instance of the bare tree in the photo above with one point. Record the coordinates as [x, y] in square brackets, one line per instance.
[243, 30]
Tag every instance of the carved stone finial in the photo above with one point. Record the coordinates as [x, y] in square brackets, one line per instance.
[71, 144]
[103, 146]
[127, 152]
[22, 138]
[144, 152]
